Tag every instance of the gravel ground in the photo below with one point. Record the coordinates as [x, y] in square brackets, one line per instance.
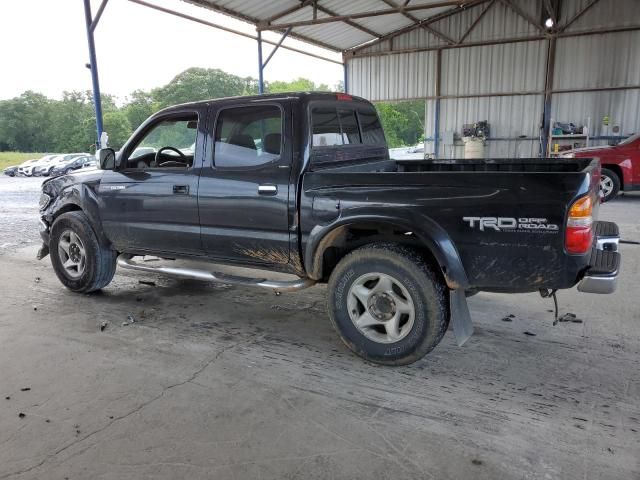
[214, 381]
[18, 212]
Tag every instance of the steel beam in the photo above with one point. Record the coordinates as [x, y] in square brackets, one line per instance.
[93, 65]
[96, 19]
[355, 16]
[523, 14]
[426, 21]
[260, 65]
[476, 22]
[227, 29]
[548, 92]
[284, 35]
[578, 15]
[354, 53]
[436, 132]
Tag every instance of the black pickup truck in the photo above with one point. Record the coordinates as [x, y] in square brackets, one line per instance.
[303, 184]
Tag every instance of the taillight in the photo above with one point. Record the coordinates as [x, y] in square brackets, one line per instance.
[579, 233]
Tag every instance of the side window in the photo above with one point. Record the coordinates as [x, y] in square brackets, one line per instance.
[169, 144]
[334, 126]
[372, 133]
[248, 136]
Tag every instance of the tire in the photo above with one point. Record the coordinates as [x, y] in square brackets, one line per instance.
[68, 171]
[609, 185]
[414, 287]
[99, 265]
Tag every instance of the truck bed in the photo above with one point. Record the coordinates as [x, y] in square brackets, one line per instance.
[495, 165]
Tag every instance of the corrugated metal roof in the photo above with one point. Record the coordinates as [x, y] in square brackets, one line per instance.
[337, 35]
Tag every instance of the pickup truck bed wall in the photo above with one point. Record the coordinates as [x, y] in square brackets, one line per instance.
[432, 199]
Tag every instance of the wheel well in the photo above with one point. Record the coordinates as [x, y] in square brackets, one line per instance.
[618, 171]
[69, 207]
[342, 240]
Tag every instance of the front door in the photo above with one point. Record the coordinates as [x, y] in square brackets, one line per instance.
[244, 196]
[149, 204]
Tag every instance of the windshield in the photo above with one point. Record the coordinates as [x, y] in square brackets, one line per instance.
[630, 139]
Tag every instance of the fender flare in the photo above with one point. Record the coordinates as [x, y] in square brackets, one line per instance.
[81, 198]
[430, 234]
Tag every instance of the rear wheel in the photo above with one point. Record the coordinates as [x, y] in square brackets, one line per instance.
[81, 262]
[609, 184]
[68, 171]
[387, 304]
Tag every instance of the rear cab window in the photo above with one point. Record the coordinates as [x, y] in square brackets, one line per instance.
[345, 131]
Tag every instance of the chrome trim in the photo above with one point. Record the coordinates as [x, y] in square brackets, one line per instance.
[602, 241]
[267, 189]
[43, 226]
[603, 285]
[124, 261]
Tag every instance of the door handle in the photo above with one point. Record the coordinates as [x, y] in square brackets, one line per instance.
[181, 189]
[267, 189]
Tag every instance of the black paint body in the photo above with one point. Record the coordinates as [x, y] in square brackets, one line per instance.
[218, 213]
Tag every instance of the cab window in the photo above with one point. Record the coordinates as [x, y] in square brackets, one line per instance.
[170, 143]
[248, 136]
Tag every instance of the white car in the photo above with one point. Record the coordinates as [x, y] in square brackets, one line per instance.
[26, 168]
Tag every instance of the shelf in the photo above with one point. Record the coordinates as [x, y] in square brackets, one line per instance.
[577, 135]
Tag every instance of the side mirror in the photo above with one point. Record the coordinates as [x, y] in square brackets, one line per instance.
[106, 158]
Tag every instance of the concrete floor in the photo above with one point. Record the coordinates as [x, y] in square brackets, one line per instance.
[227, 382]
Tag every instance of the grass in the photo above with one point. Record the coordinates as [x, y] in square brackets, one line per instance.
[8, 159]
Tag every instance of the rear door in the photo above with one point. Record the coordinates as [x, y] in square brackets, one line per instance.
[150, 203]
[245, 204]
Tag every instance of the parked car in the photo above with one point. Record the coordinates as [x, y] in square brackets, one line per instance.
[11, 171]
[71, 163]
[620, 165]
[26, 168]
[44, 169]
[400, 244]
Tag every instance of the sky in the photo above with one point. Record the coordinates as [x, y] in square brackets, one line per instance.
[45, 48]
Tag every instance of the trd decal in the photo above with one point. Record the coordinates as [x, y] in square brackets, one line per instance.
[510, 224]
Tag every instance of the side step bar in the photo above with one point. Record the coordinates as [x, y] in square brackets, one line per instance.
[125, 261]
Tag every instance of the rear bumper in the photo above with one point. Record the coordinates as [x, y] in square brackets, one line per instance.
[604, 264]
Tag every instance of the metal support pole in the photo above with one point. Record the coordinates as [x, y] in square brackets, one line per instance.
[345, 80]
[93, 65]
[436, 133]
[548, 93]
[260, 77]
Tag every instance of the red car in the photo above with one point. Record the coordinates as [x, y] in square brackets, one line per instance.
[620, 165]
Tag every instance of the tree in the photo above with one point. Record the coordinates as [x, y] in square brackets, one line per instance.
[297, 85]
[197, 84]
[117, 125]
[139, 107]
[24, 122]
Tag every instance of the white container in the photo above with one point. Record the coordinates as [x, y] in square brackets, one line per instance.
[473, 147]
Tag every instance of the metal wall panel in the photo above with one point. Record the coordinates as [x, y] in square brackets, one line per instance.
[622, 107]
[504, 68]
[606, 60]
[393, 77]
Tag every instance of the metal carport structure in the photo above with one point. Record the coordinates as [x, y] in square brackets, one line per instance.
[394, 49]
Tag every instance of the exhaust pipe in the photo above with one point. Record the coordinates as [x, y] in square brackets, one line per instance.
[125, 261]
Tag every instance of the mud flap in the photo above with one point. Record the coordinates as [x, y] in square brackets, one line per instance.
[43, 252]
[460, 316]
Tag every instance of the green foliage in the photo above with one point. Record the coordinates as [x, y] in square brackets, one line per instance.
[33, 122]
[297, 85]
[403, 122]
[197, 84]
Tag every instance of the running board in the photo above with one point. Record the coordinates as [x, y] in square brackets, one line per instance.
[124, 261]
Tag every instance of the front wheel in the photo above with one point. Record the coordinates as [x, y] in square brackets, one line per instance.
[81, 262]
[387, 304]
[609, 184]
